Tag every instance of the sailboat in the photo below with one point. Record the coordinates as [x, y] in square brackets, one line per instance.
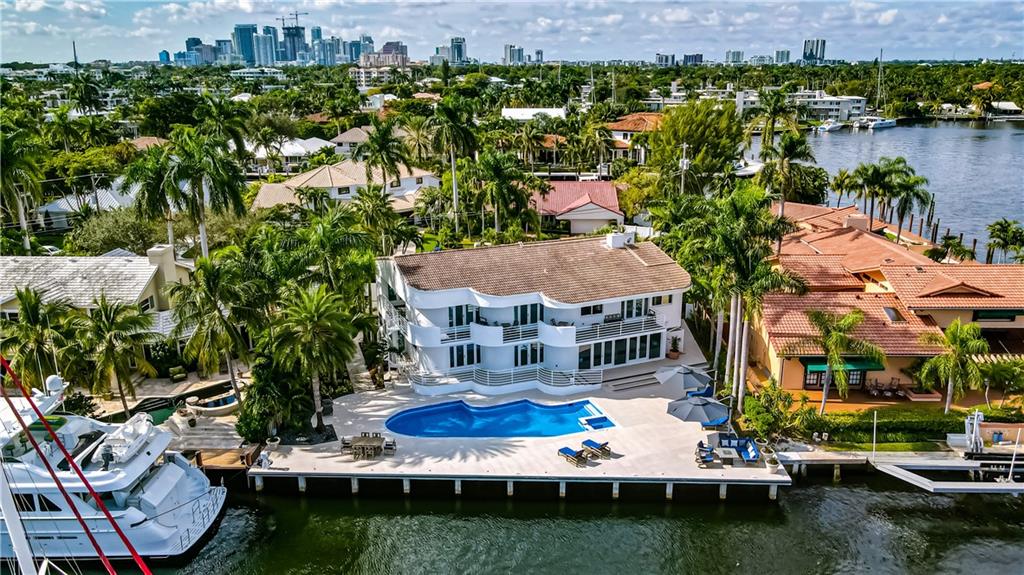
[876, 122]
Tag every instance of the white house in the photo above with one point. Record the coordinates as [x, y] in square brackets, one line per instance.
[293, 153]
[344, 180]
[257, 73]
[587, 206]
[626, 128]
[61, 213]
[527, 114]
[345, 141]
[552, 315]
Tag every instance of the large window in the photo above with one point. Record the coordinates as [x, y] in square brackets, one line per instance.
[661, 299]
[655, 346]
[462, 315]
[463, 355]
[529, 354]
[584, 357]
[634, 307]
[529, 313]
[816, 379]
[592, 309]
[620, 351]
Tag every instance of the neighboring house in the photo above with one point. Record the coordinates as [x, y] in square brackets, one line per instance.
[378, 101]
[587, 206]
[293, 153]
[146, 142]
[628, 127]
[862, 254]
[778, 341]
[552, 315]
[1006, 108]
[61, 213]
[527, 114]
[79, 280]
[347, 140]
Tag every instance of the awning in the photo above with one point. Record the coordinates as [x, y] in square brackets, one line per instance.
[818, 364]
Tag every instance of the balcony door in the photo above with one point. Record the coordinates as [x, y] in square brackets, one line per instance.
[529, 313]
[462, 315]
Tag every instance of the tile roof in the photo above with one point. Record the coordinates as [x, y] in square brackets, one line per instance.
[117, 195]
[551, 141]
[638, 122]
[567, 196]
[860, 251]
[143, 142]
[821, 272]
[357, 171]
[569, 271]
[271, 195]
[77, 279]
[360, 134]
[821, 218]
[951, 286]
[322, 177]
[785, 318]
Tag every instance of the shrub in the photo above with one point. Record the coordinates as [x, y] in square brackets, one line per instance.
[895, 425]
[770, 413]
[80, 404]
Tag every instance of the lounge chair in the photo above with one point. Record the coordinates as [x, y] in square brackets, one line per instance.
[704, 448]
[390, 446]
[704, 457]
[577, 458]
[597, 450]
[707, 391]
[346, 444]
[750, 453]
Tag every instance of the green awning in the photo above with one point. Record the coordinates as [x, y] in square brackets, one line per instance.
[818, 364]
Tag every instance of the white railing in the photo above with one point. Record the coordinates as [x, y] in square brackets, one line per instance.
[457, 333]
[503, 377]
[519, 332]
[393, 319]
[617, 328]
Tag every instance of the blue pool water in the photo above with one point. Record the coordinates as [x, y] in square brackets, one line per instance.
[522, 418]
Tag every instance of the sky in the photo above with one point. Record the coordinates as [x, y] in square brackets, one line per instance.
[42, 30]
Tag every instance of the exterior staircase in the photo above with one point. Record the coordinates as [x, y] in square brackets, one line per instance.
[631, 382]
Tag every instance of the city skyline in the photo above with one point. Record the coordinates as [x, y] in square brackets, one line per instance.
[42, 30]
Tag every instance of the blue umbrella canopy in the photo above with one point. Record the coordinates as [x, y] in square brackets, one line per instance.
[702, 410]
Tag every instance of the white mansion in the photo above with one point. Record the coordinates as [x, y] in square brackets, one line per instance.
[551, 315]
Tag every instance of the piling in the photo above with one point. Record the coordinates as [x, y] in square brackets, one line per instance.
[406, 486]
[668, 491]
[722, 490]
[509, 488]
[355, 485]
[302, 484]
[458, 487]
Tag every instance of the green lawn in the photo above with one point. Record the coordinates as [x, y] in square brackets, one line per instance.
[888, 447]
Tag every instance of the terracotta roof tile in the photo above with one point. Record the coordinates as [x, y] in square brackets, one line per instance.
[785, 317]
[942, 286]
[822, 272]
[860, 250]
[569, 271]
[567, 196]
[638, 122]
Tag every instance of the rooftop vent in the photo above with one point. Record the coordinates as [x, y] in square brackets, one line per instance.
[619, 240]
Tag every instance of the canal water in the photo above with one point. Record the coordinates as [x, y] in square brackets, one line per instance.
[975, 170]
[866, 524]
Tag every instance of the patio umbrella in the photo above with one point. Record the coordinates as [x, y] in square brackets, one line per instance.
[703, 410]
[683, 376]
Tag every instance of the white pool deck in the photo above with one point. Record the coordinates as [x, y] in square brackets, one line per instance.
[648, 444]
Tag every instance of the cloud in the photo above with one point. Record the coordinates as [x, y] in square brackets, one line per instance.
[610, 20]
[29, 5]
[88, 8]
[675, 15]
[887, 17]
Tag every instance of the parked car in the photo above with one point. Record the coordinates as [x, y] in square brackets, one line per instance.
[50, 250]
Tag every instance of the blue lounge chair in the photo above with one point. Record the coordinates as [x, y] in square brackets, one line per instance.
[704, 448]
[597, 450]
[750, 454]
[704, 457]
[707, 391]
[577, 458]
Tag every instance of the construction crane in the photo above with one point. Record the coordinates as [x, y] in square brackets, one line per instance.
[296, 15]
[284, 21]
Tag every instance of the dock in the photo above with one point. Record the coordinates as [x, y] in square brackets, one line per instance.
[650, 448]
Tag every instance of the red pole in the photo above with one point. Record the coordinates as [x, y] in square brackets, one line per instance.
[78, 471]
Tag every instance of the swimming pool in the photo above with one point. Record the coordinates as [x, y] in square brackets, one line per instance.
[522, 418]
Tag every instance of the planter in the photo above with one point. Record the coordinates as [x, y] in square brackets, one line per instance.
[768, 451]
[773, 465]
[761, 443]
[273, 442]
[191, 422]
[672, 354]
[923, 395]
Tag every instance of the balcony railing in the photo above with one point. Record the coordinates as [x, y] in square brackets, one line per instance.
[393, 318]
[617, 328]
[514, 333]
[503, 377]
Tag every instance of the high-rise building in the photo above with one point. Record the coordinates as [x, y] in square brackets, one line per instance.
[814, 50]
[242, 42]
[761, 60]
[263, 46]
[782, 56]
[315, 33]
[186, 59]
[457, 50]
[355, 50]
[165, 57]
[538, 56]
[293, 42]
[513, 55]
[441, 55]
[365, 44]
[324, 53]
[224, 47]
[693, 59]
[191, 43]
[664, 60]
[395, 48]
[734, 56]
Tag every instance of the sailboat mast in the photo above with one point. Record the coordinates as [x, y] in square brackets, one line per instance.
[878, 90]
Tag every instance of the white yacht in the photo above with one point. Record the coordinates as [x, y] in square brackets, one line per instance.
[162, 503]
[830, 126]
[877, 123]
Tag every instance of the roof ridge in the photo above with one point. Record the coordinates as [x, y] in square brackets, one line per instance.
[492, 246]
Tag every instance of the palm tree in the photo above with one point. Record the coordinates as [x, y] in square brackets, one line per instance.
[313, 333]
[96, 131]
[34, 339]
[341, 107]
[909, 194]
[383, 150]
[843, 183]
[20, 173]
[1004, 375]
[62, 128]
[115, 335]
[529, 141]
[85, 93]
[597, 138]
[773, 107]
[950, 246]
[836, 341]
[956, 364]
[781, 174]
[210, 175]
[1004, 235]
[504, 186]
[204, 311]
[418, 138]
[373, 207]
[452, 136]
[430, 201]
[315, 199]
[879, 181]
[327, 241]
[158, 195]
[225, 121]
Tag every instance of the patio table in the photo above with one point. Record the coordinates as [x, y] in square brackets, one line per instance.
[727, 454]
[367, 447]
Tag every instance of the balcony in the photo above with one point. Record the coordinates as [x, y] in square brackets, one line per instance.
[495, 380]
[614, 329]
[394, 319]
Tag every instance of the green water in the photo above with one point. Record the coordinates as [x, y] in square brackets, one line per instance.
[865, 525]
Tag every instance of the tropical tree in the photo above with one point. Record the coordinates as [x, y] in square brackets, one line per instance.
[313, 334]
[33, 341]
[20, 174]
[380, 221]
[157, 195]
[950, 246]
[224, 121]
[880, 180]
[204, 312]
[505, 186]
[418, 138]
[834, 337]
[956, 365]
[452, 136]
[773, 107]
[431, 201]
[782, 174]
[529, 141]
[843, 183]
[210, 175]
[85, 93]
[1006, 375]
[61, 128]
[383, 150]
[908, 194]
[114, 336]
[1005, 235]
[326, 243]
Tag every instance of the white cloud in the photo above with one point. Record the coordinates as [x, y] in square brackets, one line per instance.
[676, 15]
[610, 20]
[887, 17]
[89, 8]
[29, 5]
[942, 19]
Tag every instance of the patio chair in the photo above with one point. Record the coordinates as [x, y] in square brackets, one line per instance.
[577, 458]
[597, 450]
[346, 444]
[390, 446]
[707, 391]
[705, 457]
[704, 448]
[750, 453]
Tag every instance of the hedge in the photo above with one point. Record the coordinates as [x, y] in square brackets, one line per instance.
[899, 424]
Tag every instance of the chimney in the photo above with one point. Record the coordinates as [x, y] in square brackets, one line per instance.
[859, 221]
[162, 256]
[620, 240]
